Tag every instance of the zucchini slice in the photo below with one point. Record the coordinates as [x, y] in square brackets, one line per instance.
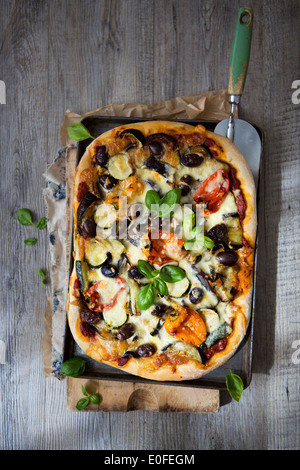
[96, 253]
[211, 319]
[235, 232]
[116, 316]
[180, 288]
[221, 332]
[119, 166]
[82, 271]
[133, 293]
[105, 216]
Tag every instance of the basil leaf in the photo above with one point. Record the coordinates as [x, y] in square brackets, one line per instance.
[205, 241]
[197, 231]
[234, 386]
[82, 403]
[24, 216]
[42, 223]
[84, 391]
[171, 197]
[190, 244]
[152, 199]
[145, 297]
[168, 202]
[200, 241]
[42, 274]
[188, 222]
[146, 269]
[77, 131]
[73, 367]
[30, 241]
[172, 273]
[95, 399]
[161, 286]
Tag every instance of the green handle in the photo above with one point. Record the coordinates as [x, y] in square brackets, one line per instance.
[240, 51]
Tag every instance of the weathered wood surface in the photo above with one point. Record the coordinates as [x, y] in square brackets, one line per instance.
[81, 54]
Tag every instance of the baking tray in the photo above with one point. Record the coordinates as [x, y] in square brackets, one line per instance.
[240, 363]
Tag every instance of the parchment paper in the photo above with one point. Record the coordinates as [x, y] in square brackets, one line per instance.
[211, 105]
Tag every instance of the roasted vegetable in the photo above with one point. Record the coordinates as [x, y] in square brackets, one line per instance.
[87, 200]
[95, 253]
[82, 271]
[119, 166]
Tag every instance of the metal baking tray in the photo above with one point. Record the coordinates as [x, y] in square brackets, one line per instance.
[240, 363]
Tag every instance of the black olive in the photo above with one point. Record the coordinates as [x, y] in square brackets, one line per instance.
[145, 350]
[89, 228]
[136, 133]
[87, 200]
[134, 273]
[159, 310]
[107, 181]
[102, 155]
[153, 164]
[191, 160]
[196, 295]
[108, 257]
[185, 184]
[227, 258]
[218, 232]
[89, 316]
[109, 271]
[156, 148]
[126, 331]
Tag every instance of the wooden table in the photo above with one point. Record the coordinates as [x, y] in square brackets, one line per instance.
[81, 54]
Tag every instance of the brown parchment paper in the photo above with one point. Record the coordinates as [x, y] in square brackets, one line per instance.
[210, 105]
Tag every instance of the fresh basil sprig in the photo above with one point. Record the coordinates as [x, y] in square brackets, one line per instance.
[160, 286]
[30, 241]
[145, 297]
[169, 273]
[234, 386]
[201, 240]
[73, 367]
[77, 131]
[163, 206]
[146, 269]
[42, 274]
[172, 273]
[24, 216]
[198, 238]
[84, 402]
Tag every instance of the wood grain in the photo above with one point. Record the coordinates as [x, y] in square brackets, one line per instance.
[146, 397]
[80, 54]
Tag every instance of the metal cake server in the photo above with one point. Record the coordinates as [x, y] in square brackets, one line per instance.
[240, 132]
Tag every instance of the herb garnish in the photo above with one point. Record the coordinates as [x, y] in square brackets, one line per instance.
[43, 275]
[234, 385]
[24, 216]
[199, 239]
[89, 397]
[164, 206]
[30, 241]
[77, 131]
[73, 367]
[169, 273]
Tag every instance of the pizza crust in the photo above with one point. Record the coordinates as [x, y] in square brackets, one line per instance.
[142, 366]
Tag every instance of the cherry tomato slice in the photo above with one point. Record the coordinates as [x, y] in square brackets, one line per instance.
[165, 247]
[94, 295]
[213, 191]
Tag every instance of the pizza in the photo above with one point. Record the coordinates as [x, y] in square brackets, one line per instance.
[164, 234]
